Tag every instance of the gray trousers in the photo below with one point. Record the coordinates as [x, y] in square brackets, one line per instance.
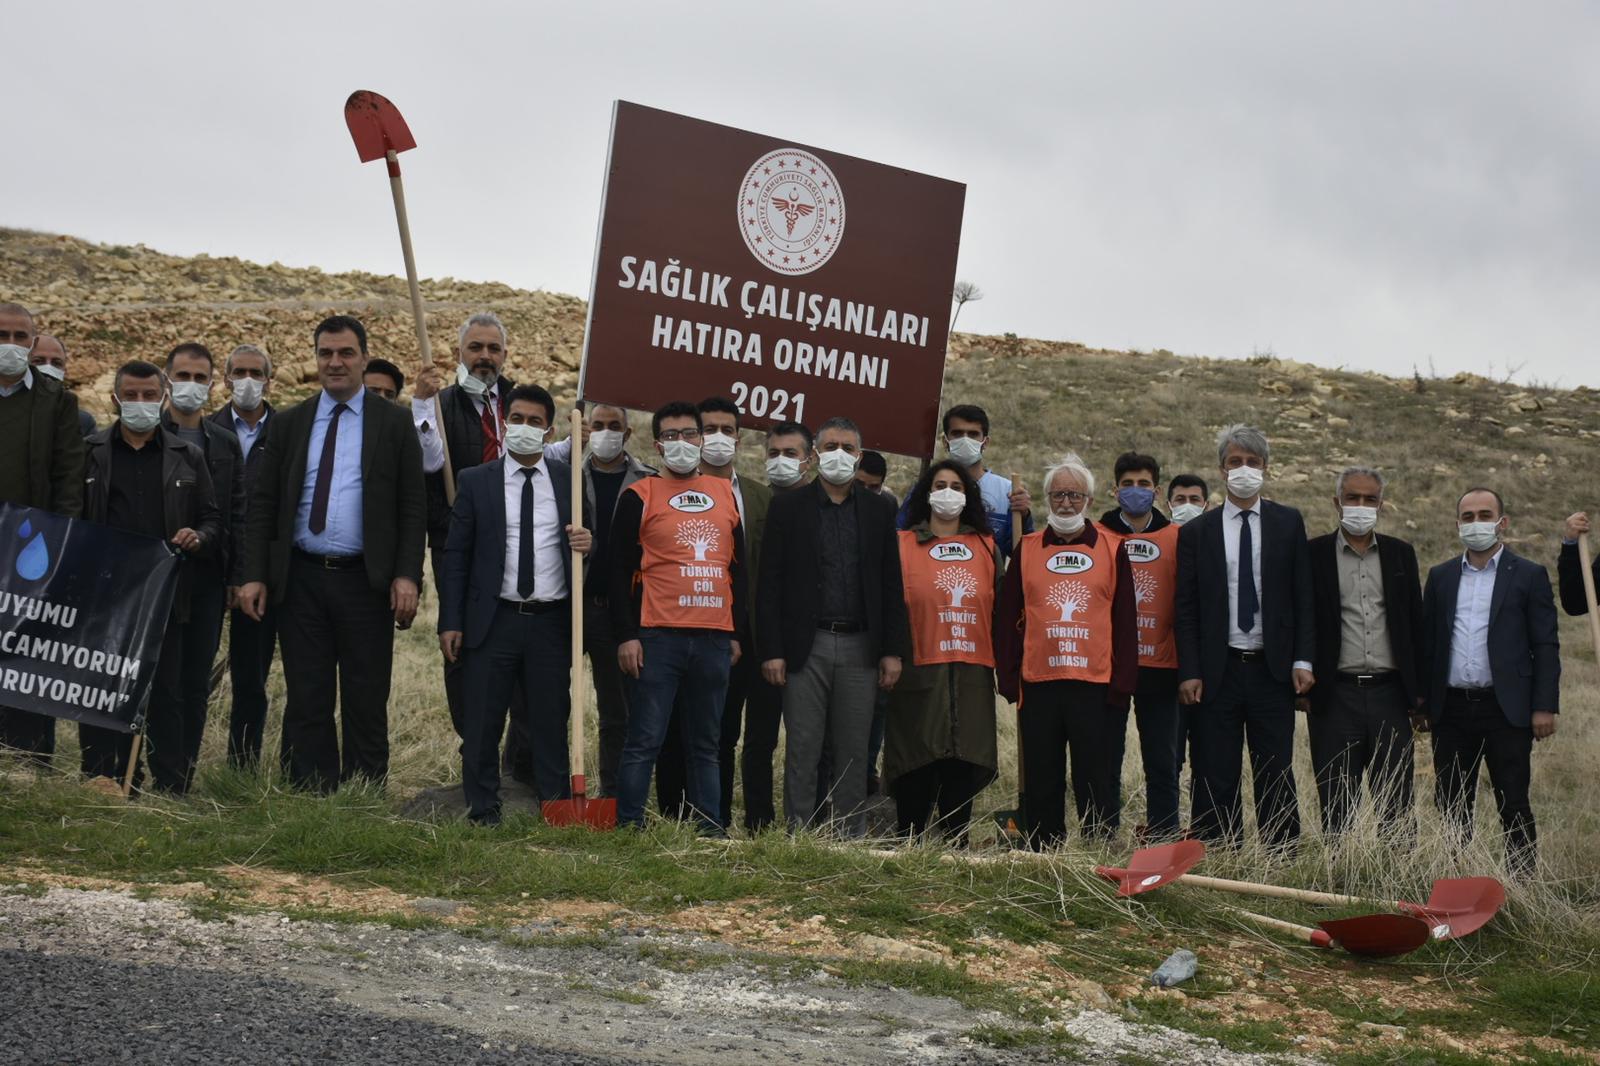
[827, 705]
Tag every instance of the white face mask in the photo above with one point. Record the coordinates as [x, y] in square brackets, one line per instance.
[606, 444]
[523, 439]
[681, 456]
[717, 449]
[1358, 521]
[1066, 525]
[783, 470]
[474, 387]
[1186, 512]
[1245, 482]
[1479, 536]
[51, 371]
[189, 396]
[13, 360]
[965, 450]
[141, 416]
[247, 393]
[947, 503]
[837, 467]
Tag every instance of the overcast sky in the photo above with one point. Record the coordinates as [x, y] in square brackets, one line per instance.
[1370, 185]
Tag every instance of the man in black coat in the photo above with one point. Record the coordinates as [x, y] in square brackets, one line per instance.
[1246, 638]
[335, 533]
[1569, 568]
[1369, 660]
[1492, 660]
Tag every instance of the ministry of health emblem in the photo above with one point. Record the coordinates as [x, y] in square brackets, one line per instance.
[791, 211]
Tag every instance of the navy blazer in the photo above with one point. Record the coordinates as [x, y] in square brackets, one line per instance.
[1288, 619]
[475, 550]
[1524, 646]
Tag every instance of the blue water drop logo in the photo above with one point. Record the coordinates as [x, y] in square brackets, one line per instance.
[33, 562]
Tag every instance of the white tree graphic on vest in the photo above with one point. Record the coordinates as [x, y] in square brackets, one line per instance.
[957, 582]
[1145, 587]
[1070, 596]
[699, 535]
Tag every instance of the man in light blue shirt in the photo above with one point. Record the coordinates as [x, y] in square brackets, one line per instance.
[966, 435]
[340, 535]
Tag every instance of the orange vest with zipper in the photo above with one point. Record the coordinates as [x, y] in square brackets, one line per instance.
[1155, 590]
[686, 536]
[949, 589]
[1067, 591]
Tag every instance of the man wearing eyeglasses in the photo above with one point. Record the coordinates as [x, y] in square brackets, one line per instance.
[677, 606]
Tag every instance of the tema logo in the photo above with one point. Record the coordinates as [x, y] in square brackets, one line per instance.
[950, 551]
[1142, 551]
[691, 502]
[33, 561]
[1069, 562]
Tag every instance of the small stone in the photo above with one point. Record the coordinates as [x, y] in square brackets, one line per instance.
[1382, 1032]
[444, 908]
[881, 947]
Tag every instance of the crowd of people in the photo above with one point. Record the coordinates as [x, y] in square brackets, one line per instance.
[718, 606]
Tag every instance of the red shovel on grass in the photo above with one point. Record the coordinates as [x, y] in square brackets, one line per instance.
[1372, 936]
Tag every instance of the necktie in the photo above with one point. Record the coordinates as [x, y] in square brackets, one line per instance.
[525, 542]
[491, 434]
[1248, 603]
[319, 493]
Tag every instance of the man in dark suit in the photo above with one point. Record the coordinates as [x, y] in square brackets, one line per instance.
[831, 625]
[50, 359]
[1492, 659]
[1369, 658]
[1569, 568]
[504, 606]
[251, 644]
[1245, 642]
[43, 467]
[335, 531]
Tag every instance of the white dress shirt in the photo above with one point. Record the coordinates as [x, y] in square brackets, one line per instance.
[423, 417]
[1232, 526]
[1469, 633]
[549, 577]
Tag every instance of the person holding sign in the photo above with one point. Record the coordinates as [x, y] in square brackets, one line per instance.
[1067, 653]
[939, 747]
[677, 605]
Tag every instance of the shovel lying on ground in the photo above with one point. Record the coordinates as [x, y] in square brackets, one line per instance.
[580, 809]
[1372, 936]
[1456, 907]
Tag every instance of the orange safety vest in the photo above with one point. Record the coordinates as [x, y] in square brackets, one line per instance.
[1155, 590]
[949, 589]
[1067, 591]
[686, 534]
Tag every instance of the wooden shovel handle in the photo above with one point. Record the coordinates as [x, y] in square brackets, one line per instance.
[1252, 888]
[580, 693]
[1315, 937]
[1016, 516]
[1587, 565]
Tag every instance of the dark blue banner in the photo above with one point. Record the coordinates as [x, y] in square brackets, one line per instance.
[82, 611]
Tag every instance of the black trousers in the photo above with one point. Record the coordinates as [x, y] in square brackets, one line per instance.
[336, 633]
[25, 731]
[1155, 709]
[1471, 732]
[610, 698]
[531, 648]
[202, 635]
[671, 765]
[1363, 730]
[105, 752]
[1250, 709]
[1056, 717]
[763, 714]
[251, 646]
[947, 786]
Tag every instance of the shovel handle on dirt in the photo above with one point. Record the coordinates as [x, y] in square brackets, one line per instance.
[1587, 566]
[1317, 938]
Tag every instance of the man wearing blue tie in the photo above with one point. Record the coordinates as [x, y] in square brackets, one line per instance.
[1246, 638]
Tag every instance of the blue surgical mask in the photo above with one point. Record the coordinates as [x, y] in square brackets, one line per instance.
[1135, 500]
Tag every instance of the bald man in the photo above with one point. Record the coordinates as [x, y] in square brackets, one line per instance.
[50, 359]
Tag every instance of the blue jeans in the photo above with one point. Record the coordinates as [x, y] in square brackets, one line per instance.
[690, 667]
[1161, 753]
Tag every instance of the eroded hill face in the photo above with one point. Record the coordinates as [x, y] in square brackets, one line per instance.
[1432, 436]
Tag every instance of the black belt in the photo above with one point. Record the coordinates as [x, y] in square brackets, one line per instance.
[331, 562]
[841, 627]
[1256, 656]
[533, 606]
[1369, 680]
[1472, 695]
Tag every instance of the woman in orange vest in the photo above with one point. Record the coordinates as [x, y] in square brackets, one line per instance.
[1067, 653]
[939, 744]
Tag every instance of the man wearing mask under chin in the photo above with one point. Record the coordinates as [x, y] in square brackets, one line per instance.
[1246, 641]
[1369, 646]
[49, 358]
[1492, 659]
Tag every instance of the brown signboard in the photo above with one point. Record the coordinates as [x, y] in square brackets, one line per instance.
[798, 282]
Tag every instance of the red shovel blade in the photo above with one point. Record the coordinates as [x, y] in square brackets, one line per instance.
[1150, 868]
[580, 809]
[376, 126]
[1459, 905]
[1378, 936]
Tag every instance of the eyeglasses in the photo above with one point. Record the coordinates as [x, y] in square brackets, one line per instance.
[1071, 497]
[671, 435]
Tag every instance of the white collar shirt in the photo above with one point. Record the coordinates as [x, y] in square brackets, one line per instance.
[1469, 632]
[549, 576]
[1232, 525]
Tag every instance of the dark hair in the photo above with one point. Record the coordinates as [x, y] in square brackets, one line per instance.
[841, 422]
[784, 429]
[919, 510]
[720, 405]
[383, 366]
[675, 409]
[195, 349]
[338, 324]
[1498, 502]
[1188, 481]
[1131, 461]
[534, 394]
[873, 463]
[967, 412]
[137, 368]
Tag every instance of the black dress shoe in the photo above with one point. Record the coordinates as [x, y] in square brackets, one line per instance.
[490, 820]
